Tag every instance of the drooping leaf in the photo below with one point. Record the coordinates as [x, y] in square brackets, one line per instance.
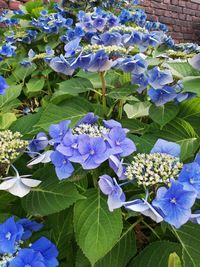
[55, 114]
[35, 85]
[51, 196]
[189, 237]
[11, 94]
[137, 110]
[182, 69]
[6, 119]
[163, 114]
[72, 87]
[122, 252]
[156, 254]
[96, 228]
[192, 84]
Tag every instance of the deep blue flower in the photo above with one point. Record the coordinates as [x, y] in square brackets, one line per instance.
[93, 151]
[100, 62]
[28, 257]
[136, 65]
[82, 61]
[157, 78]
[61, 65]
[58, 131]
[39, 143]
[8, 50]
[175, 203]
[10, 233]
[89, 118]
[119, 143]
[111, 124]
[162, 96]
[111, 38]
[109, 187]
[48, 250]
[141, 80]
[99, 23]
[3, 85]
[180, 97]
[69, 147]
[71, 47]
[29, 227]
[190, 177]
[165, 147]
[63, 166]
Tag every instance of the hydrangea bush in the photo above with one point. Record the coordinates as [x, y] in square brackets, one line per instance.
[100, 138]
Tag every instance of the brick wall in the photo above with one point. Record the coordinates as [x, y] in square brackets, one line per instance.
[181, 16]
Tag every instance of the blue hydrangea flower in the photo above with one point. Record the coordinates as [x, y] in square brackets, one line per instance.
[109, 187]
[162, 96]
[28, 257]
[166, 147]
[136, 65]
[119, 143]
[90, 118]
[48, 250]
[93, 151]
[61, 65]
[63, 166]
[190, 177]
[58, 131]
[117, 166]
[72, 47]
[69, 147]
[100, 62]
[10, 233]
[157, 78]
[3, 86]
[29, 227]
[39, 143]
[195, 217]
[141, 80]
[8, 50]
[175, 203]
[111, 38]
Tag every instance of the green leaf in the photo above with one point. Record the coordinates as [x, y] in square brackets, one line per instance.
[174, 260]
[164, 114]
[182, 69]
[51, 196]
[144, 143]
[72, 87]
[25, 124]
[137, 110]
[156, 254]
[189, 147]
[96, 228]
[135, 126]
[11, 94]
[35, 85]
[6, 120]
[60, 226]
[192, 84]
[177, 130]
[122, 252]
[21, 73]
[189, 237]
[55, 114]
[123, 93]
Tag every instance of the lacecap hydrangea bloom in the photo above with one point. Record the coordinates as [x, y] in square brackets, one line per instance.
[88, 144]
[170, 188]
[17, 251]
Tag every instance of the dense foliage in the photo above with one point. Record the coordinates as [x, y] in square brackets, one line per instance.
[100, 138]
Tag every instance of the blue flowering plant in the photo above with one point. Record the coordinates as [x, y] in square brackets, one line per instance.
[16, 249]
[99, 137]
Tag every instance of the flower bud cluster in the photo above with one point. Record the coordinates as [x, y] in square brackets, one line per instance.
[11, 146]
[152, 169]
[129, 29]
[108, 49]
[91, 130]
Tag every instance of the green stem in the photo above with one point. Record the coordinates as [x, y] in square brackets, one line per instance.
[120, 109]
[103, 84]
[153, 231]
